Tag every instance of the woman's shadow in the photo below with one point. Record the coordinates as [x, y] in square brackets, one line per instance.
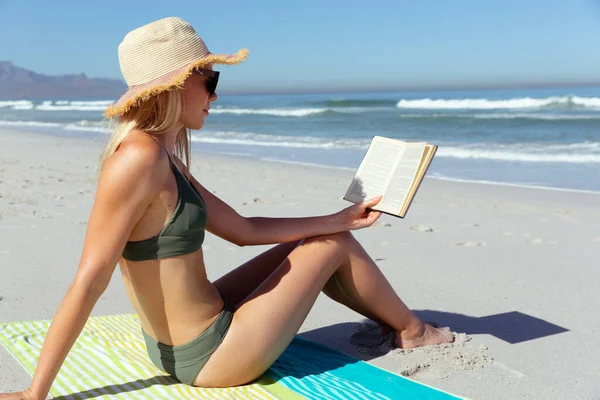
[363, 341]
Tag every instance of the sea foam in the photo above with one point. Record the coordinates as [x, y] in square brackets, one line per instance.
[487, 104]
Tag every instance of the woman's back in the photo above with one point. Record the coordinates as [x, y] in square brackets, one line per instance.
[172, 295]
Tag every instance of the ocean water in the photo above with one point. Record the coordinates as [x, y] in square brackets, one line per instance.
[534, 137]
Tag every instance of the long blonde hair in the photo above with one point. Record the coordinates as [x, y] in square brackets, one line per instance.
[155, 115]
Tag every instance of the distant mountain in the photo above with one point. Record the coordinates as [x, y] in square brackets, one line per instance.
[20, 83]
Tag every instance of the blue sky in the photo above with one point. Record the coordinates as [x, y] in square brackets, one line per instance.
[327, 44]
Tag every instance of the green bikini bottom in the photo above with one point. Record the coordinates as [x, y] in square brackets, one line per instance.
[184, 362]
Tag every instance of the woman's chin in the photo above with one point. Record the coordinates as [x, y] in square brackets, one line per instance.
[195, 126]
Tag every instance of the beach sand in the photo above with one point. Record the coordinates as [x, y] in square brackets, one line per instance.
[513, 271]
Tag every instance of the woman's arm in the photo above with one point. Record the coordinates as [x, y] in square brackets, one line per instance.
[226, 223]
[130, 180]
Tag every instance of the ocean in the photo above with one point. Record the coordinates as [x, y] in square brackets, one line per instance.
[531, 137]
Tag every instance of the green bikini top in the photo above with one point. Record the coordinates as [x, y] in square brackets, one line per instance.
[183, 234]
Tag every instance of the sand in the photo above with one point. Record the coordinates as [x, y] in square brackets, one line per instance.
[513, 271]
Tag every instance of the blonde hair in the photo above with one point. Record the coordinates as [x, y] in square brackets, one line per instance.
[155, 115]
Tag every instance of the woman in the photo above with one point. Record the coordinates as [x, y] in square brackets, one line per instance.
[150, 215]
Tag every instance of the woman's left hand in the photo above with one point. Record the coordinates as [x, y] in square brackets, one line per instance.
[359, 216]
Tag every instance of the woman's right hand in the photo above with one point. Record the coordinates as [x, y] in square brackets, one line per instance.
[359, 215]
[24, 395]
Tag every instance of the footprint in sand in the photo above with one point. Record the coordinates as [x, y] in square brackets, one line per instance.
[259, 200]
[445, 358]
[541, 241]
[368, 339]
[565, 214]
[368, 335]
[536, 241]
[380, 224]
[414, 369]
[471, 244]
[422, 228]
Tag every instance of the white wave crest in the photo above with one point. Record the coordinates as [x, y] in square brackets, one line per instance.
[91, 126]
[29, 123]
[279, 112]
[257, 139]
[49, 106]
[578, 153]
[104, 103]
[575, 153]
[23, 107]
[486, 104]
[88, 126]
[504, 115]
[536, 116]
[75, 105]
[59, 105]
[71, 127]
[17, 104]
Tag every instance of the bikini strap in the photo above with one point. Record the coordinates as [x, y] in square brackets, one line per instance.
[164, 148]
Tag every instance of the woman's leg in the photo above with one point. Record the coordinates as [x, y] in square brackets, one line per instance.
[266, 322]
[237, 284]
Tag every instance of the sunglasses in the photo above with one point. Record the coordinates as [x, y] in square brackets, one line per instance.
[213, 79]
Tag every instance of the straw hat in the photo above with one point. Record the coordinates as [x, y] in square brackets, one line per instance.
[159, 57]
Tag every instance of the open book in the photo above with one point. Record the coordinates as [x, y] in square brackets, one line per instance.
[394, 169]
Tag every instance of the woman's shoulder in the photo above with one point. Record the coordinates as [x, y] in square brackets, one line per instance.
[138, 156]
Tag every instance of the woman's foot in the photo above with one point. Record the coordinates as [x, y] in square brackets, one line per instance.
[421, 335]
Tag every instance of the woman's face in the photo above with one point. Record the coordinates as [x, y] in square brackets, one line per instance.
[196, 100]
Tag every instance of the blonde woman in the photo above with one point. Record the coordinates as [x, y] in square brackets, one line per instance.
[150, 216]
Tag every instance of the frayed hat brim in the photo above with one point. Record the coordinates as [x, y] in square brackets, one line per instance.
[174, 79]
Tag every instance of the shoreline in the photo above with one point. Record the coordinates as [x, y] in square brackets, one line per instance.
[94, 135]
[439, 178]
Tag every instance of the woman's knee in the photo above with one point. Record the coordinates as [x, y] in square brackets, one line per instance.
[334, 239]
[339, 242]
[339, 238]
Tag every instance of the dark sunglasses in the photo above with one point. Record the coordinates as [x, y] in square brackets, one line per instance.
[213, 79]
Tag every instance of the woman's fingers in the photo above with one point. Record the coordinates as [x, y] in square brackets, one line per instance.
[371, 202]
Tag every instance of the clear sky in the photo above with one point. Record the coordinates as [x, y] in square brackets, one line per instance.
[326, 44]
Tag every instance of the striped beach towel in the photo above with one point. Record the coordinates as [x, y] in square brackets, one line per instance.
[109, 361]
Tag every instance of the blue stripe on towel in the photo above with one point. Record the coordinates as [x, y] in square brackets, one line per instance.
[320, 372]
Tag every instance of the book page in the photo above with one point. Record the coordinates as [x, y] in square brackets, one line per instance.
[376, 171]
[404, 176]
[430, 151]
